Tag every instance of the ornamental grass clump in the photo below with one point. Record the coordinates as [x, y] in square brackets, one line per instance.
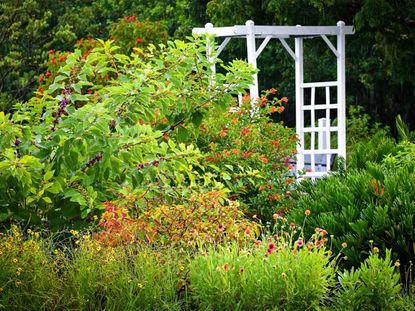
[28, 273]
[126, 277]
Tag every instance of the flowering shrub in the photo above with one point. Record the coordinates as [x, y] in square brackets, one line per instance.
[205, 218]
[69, 149]
[266, 275]
[250, 154]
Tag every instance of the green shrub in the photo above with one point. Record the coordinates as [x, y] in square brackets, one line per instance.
[374, 150]
[373, 286]
[358, 206]
[283, 279]
[81, 142]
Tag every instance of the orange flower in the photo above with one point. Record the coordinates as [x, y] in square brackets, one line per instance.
[263, 159]
[307, 212]
[224, 132]
[246, 99]
[53, 60]
[51, 52]
[280, 109]
[234, 120]
[226, 267]
[62, 58]
[227, 153]
[139, 40]
[272, 109]
[48, 74]
[41, 78]
[238, 141]
[344, 244]
[275, 143]
[236, 151]
[275, 197]
[284, 99]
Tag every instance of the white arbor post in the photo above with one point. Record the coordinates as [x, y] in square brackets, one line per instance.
[341, 89]
[210, 47]
[299, 100]
[251, 51]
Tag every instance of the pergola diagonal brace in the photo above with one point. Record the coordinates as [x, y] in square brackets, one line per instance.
[330, 45]
[288, 49]
[262, 46]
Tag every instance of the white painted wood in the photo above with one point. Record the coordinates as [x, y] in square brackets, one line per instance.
[319, 84]
[251, 51]
[262, 46]
[287, 48]
[299, 100]
[210, 43]
[330, 45]
[313, 134]
[222, 46]
[321, 107]
[315, 129]
[275, 31]
[341, 88]
[322, 143]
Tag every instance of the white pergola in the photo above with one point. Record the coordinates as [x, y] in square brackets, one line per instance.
[316, 160]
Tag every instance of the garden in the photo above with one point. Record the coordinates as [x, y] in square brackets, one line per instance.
[131, 178]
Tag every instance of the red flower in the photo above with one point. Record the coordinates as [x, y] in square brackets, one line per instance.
[262, 101]
[139, 40]
[257, 243]
[307, 212]
[300, 242]
[273, 91]
[275, 143]
[284, 99]
[41, 78]
[246, 154]
[245, 131]
[280, 109]
[271, 247]
[51, 52]
[62, 58]
[47, 74]
[226, 267]
[53, 60]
